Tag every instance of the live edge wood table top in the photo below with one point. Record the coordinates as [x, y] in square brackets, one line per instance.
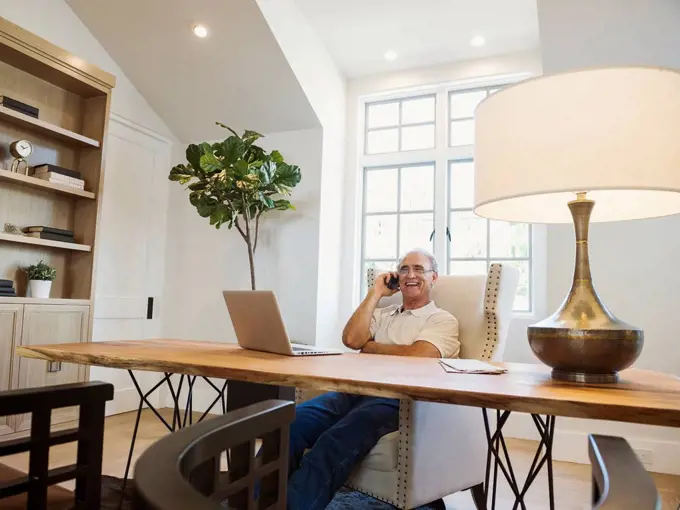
[640, 397]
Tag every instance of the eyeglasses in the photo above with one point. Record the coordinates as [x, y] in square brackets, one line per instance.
[418, 271]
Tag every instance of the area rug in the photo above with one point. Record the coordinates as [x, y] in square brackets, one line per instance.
[345, 499]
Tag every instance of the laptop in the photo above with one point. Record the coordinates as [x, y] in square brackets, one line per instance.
[259, 326]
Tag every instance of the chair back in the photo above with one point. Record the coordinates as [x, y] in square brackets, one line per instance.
[182, 470]
[34, 489]
[620, 481]
[481, 303]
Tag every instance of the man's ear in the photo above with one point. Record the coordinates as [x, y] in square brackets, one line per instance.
[435, 277]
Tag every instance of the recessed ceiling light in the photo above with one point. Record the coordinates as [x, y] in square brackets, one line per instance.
[477, 41]
[390, 55]
[200, 31]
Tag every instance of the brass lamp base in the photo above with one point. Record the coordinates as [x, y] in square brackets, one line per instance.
[583, 341]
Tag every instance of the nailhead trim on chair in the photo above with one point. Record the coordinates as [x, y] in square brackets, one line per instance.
[403, 452]
[490, 302]
[370, 277]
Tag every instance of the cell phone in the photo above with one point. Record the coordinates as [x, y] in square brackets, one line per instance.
[393, 283]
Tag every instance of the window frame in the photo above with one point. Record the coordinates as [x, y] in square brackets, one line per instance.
[398, 212]
[488, 259]
[399, 126]
[441, 155]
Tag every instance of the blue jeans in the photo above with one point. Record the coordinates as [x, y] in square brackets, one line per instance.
[339, 429]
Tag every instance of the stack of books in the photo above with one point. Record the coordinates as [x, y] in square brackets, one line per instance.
[18, 106]
[58, 175]
[50, 233]
[7, 289]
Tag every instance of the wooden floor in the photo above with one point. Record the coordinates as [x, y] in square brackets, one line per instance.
[572, 481]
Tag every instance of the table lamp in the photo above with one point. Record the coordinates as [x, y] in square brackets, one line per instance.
[547, 150]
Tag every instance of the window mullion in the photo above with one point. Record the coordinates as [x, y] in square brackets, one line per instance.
[440, 179]
[398, 250]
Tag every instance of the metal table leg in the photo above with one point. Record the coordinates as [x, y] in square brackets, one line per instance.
[178, 421]
[498, 450]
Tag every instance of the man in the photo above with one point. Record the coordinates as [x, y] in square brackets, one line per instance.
[340, 429]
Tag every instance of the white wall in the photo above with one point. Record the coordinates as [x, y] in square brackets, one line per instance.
[324, 86]
[458, 73]
[585, 33]
[632, 262]
[54, 21]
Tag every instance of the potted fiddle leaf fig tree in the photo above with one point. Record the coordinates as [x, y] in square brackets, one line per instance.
[235, 182]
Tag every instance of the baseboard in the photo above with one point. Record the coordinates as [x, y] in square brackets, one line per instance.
[569, 445]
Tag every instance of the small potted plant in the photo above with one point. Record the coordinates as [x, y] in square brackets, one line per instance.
[40, 278]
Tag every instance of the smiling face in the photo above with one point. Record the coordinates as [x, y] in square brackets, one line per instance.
[416, 277]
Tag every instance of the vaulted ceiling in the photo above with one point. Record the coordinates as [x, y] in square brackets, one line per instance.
[237, 75]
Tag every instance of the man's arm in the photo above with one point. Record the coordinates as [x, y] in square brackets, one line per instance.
[419, 348]
[437, 339]
[358, 329]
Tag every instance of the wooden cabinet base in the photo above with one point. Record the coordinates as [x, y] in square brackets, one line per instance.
[34, 325]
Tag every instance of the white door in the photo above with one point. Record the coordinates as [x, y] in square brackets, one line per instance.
[131, 254]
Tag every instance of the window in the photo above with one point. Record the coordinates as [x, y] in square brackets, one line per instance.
[418, 189]
[401, 125]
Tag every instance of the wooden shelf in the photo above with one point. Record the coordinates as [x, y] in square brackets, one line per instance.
[42, 301]
[26, 121]
[12, 238]
[34, 182]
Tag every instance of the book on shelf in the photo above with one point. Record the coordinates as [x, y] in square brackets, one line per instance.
[47, 168]
[48, 236]
[18, 106]
[52, 230]
[64, 180]
[6, 284]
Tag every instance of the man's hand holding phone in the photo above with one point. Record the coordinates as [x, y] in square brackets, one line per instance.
[386, 284]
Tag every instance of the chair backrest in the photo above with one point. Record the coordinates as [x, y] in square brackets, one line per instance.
[182, 470]
[39, 402]
[482, 304]
[620, 481]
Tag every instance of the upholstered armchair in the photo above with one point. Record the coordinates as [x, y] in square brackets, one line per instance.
[441, 449]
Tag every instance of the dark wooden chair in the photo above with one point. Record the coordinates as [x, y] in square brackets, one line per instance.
[37, 490]
[182, 470]
[620, 481]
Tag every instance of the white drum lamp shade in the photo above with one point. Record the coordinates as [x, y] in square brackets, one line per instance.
[614, 133]
[589, 145]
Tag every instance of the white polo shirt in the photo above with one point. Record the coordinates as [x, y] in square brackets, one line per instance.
[392, 325]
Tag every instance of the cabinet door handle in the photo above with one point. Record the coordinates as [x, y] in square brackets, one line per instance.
[54, 366]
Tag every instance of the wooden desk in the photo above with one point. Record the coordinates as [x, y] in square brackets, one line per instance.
[641, 396]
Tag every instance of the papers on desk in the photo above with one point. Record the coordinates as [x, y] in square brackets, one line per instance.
[470, 366]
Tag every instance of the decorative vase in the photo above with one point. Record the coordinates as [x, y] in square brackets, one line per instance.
[39, 288]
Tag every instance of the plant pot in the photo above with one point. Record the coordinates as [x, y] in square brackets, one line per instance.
[39, 288]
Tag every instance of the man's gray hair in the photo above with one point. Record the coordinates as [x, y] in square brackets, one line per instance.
[433, 261]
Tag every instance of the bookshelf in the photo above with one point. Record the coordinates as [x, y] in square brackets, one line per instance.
[73, 99]
[33, 124]
[11, 238]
